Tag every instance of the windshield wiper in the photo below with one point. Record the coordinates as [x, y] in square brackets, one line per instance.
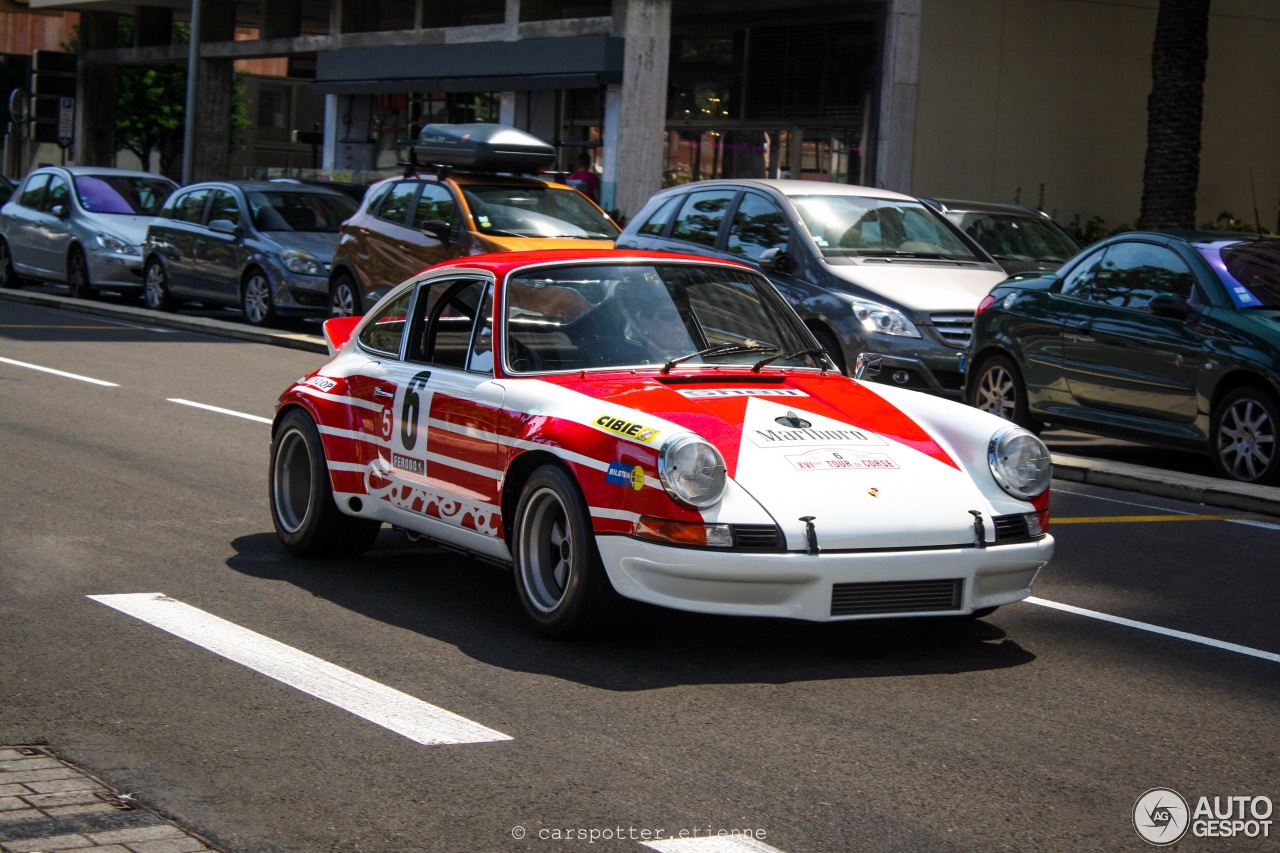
[719, 349]
[755, 368]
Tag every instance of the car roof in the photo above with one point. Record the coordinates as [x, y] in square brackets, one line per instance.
[264, 186]
[950, 205]
[100, 171]
[501, 264]
[792, 187]
[461, 177]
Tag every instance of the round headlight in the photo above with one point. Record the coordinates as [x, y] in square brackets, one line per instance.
[692, 471]
[1020, 463]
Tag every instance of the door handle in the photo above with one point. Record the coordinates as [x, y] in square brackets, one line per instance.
[383, 392]
[1085, 329]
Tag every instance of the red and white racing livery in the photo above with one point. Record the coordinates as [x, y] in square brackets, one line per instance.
[655, 426]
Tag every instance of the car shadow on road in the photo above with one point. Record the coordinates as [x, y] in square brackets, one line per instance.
[472, 606]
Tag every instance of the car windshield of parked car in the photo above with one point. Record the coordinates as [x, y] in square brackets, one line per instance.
[1251, 271]
[319, 212]
[126, 194]
[847, 226]
[536, 211]
[609, 316]
[1015, 238]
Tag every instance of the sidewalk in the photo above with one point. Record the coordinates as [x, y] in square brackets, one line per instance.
[1209, 491]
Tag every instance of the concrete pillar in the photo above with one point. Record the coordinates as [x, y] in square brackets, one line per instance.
[507, 108]
[609, 148]
[95, 123]
[646, 26]
[328, 158]
[213, 101]
[895, 137]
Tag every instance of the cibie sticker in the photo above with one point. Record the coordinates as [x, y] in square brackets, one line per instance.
[622, 474]
[704, 393]
[322, 382]
[626, 428]
[828, 459]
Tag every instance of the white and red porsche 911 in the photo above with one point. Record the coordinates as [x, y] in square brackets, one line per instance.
[658, 427]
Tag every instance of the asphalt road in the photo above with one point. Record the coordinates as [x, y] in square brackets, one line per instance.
[1035, 729]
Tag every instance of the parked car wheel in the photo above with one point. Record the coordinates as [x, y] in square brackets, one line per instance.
[998, 388]
[302, 504]
[255, 299]
[156, 288]
[8, 275]
[78, 274]
[1245, 426]
[344, 297]
[560, 580]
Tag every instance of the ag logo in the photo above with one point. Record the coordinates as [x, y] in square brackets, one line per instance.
[791, 419]
[1161, 816]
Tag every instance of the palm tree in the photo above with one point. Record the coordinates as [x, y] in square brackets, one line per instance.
[1174, 112]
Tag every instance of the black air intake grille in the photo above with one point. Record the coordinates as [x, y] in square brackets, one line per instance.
[756, 537]
[858, 599]
[1011, 527]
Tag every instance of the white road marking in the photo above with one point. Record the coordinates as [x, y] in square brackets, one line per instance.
[716, 844]
[1156, 629]
[59, 372]
[377, 703]
[1249, 522]
[219, 410]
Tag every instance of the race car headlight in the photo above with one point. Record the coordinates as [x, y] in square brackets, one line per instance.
[112, 243]
[692, 471]
[302, 263]
[877, 318]
[1020, 463]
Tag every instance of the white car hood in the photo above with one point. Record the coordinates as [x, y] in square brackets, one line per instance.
[924, 287]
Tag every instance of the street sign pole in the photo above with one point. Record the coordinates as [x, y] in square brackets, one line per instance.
[66, 125]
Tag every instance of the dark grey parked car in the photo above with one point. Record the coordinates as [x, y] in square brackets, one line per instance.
[264, 246]
[1021, 239]
[868, 270]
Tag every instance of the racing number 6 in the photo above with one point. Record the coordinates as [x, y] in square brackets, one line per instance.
[412, 406]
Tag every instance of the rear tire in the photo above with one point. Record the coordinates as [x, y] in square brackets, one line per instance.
[9, 279]
[78, 274]
[1244, 436]
[344, 297]
[303, 510]
[998, 388]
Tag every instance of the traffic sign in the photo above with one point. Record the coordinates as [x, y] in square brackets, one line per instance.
[66, 121]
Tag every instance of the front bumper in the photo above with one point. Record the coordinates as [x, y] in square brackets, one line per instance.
[303, 295]
[114, 271]
[835, 586]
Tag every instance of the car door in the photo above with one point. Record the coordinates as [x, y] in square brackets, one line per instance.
[181, 236]
[442, 453]
[699, 221]
[1118, 357]
[22, 226]
[393, 242]
[46, 234]
[221, 252]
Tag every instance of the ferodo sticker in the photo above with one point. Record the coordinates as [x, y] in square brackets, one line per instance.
[322, 382]
[627, 429]
[829, 459]
[704, 393]
[622, 474]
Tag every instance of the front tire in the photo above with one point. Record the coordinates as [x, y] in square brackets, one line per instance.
[303, 509]
[344, 297]
[560, 580]
[1244, 436]
[78, 274]
[255, 299]
[155, 288]
[9, 279]
[998, 389]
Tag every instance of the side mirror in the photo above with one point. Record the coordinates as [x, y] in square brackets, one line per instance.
[437, 228]
[225, 226]
[775, 260]
[1169, 305]
[61, 211]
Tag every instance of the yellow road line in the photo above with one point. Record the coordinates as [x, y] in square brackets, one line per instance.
[1103, 519]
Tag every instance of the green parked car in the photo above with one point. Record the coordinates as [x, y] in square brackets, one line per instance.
[1169, 338]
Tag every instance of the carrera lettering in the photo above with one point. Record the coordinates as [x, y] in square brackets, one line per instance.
[627, 428]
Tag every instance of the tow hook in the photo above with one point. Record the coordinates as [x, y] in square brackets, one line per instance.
[810, 533]
[979, 528]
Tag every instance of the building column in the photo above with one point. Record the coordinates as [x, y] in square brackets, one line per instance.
[212, 154]
[609, 147]
[642, 111]
[895, 137]
[95, 122]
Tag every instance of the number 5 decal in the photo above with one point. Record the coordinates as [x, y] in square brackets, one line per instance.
[412, 407]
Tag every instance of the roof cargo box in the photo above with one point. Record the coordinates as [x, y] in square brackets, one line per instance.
[482, 148]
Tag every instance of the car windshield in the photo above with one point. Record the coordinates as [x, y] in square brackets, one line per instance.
[607, 316]
[846, 226]
[127, 194]
[1251, 271]
[299, 210]
[520, 210]
[1015, 238]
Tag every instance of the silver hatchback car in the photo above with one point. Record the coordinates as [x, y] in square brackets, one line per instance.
[80, 225]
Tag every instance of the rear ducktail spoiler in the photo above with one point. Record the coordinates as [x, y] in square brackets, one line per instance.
[337, 331]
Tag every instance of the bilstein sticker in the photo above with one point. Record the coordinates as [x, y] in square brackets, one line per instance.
[830, 459]
[622, 474]
[627, 429]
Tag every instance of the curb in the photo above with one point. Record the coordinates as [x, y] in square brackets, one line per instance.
[1210, 491]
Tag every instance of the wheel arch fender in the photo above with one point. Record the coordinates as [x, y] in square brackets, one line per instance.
[518, 472]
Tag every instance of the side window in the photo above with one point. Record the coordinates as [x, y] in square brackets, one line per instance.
[1079, 282]
[384, 334]
[225, 206]
[658, 222]
[190, 207]
[1132, 273]
[446, 315]
[59, 194]
[395, 207]
[434, 203]
[758, 225]
[33, 191]
[700, 218]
